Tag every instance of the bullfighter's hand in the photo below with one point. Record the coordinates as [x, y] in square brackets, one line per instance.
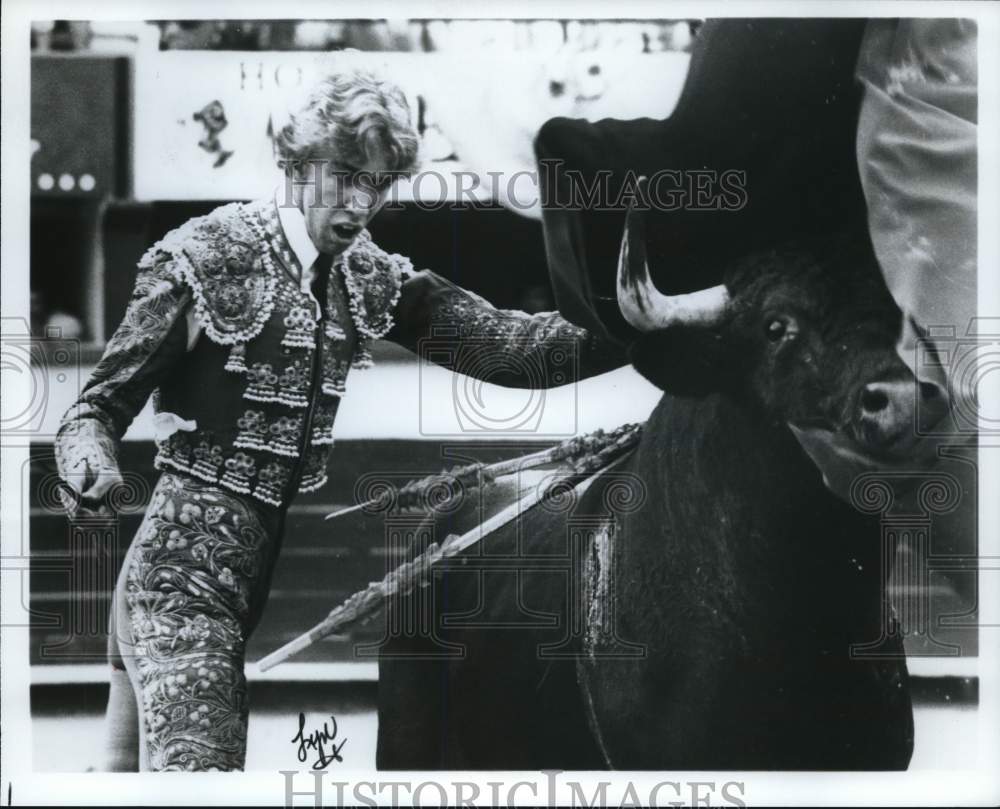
[87, 490]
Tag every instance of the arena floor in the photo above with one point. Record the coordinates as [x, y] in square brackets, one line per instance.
[945, 739]
[67, 726]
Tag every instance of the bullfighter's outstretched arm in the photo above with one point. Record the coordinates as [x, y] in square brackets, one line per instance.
[461, 331]
[147, 343]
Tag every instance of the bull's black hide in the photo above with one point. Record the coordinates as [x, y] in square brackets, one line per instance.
[749, 590]
[741, 577]
[762, 583]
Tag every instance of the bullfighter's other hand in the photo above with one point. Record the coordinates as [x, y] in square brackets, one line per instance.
[87, 489]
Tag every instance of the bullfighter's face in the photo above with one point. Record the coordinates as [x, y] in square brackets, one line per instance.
[339, 199]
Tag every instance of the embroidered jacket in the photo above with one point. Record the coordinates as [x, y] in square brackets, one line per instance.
[251, 406]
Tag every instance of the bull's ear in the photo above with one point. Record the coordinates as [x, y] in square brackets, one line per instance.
[684, 360]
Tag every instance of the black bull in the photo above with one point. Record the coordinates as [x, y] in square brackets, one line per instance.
[702, 606]
[713, 618]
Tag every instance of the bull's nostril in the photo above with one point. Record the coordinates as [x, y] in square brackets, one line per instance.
[929, 391]
[874, 400]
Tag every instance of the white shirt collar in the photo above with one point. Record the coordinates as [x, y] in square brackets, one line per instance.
[293, 223]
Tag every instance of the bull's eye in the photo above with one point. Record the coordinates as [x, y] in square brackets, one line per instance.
[776, 329]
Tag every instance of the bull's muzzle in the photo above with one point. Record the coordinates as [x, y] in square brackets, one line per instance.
[892, 414]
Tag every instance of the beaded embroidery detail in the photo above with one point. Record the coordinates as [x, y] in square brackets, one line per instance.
[293, 385]
[299, 325]
[208, 460]
[314, 474]
[373, 279]
[231, 259]
[218, 256]
[322, 426]
[237, 362]
[335, 372]
[253, 430]
[263, 383]
[285, 436]
[280, 437]
[239, 469]
[271, 482]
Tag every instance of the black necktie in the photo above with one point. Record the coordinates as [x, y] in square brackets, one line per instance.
[321, 278]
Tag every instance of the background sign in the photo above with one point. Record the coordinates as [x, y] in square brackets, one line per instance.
[204, 120]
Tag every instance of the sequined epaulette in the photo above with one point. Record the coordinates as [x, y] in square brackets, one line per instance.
[223, 258]
[374, 280]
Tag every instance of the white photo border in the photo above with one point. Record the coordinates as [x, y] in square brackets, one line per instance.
[978, 785]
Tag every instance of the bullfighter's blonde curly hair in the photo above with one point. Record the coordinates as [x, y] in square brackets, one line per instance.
[355, 116]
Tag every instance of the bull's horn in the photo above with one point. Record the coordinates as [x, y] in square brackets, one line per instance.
[642, 304]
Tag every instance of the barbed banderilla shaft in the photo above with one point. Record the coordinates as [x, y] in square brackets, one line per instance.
[365, 603]
[452, 483]
[455, 481]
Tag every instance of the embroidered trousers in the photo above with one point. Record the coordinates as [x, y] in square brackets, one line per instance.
[190, 593]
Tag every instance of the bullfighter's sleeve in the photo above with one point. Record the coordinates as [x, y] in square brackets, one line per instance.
[147, 343]
[461, 331]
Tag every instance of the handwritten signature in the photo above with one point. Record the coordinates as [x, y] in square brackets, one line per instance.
[322, 741]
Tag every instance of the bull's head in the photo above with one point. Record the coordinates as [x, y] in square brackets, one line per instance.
[807, 333]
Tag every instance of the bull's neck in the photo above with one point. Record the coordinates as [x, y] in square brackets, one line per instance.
[737, 505]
